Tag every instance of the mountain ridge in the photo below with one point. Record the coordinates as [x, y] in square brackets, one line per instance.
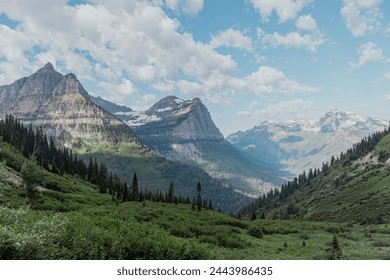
[63, 109]
[295, 145]
[183, 130]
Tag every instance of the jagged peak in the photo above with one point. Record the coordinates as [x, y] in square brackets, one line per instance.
[49, 66]
[70, 76]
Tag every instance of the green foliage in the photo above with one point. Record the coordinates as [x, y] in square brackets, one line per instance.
[334, 252]
[256, 232]
[70, 219]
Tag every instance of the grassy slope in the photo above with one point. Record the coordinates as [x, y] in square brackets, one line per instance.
[156, 173]
[75, 222]
[357, 192]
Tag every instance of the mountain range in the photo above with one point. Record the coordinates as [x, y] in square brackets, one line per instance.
[183, 130]
[176, 141]
[295, 145]
[65, 111]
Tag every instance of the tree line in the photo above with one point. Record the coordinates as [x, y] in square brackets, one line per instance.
[34, 144]
[275, 196]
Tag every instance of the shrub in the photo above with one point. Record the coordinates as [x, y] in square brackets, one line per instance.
[256, 232]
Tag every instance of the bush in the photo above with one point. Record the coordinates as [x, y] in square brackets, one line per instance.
[256, 232]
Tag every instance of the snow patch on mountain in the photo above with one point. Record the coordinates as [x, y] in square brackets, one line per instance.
[296, 145]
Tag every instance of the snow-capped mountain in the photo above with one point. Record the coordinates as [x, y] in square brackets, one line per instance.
[294, 146]
[183, 130]
[65, 111]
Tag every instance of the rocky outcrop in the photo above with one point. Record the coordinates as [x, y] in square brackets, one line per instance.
[110, 107]
[183, 130]
[177, 119]
[62, 107]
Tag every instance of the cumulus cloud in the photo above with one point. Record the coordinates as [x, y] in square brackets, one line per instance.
[106, 41]
[294, 39]
[232, 38]
[268, 80]
[306, 22]
[368, 52]
[279, 111]
[285, 9]
[190, 7]
[387, 75]
[123, 45]
[361, 16]
[119, 92]
[307, 37]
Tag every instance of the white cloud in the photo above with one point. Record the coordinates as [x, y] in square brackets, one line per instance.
[306, 23]
[190, 88]
[106, 41]
[280, 111]
[124, 44]
[259, 59]
[387, 97]
[232, 38]
[387, 75]
[285, 9]
[368, 52]
[309, 41]
[387, 30]
[119, 93]
[361, 16]
[165, 86]
[144, 102]
[307, 37]
[189, 7]
[269, 80]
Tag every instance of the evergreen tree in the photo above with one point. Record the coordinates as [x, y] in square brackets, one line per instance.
[253, 216]
[134, 192]
[199, 198]
[334, 250]
[171, 194]
[125, 193]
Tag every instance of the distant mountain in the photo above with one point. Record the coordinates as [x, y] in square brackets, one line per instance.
[183, 130]
[352, 188]
[296, 145]
[110, 107]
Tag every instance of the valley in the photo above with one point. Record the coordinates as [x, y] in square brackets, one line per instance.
[282, 190]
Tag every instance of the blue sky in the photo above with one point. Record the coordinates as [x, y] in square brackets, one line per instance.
[248, 60]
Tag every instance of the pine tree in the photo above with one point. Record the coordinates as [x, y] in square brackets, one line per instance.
[125, 193]
[199, 198]
[134, 192]
[253, 217]
[171, 194]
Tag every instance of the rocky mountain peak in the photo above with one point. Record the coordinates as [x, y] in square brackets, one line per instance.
[165, 106]
[70, 85]
[49, 66]
[109, 106]
[61, 106]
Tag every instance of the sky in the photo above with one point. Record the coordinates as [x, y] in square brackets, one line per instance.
[247, 60]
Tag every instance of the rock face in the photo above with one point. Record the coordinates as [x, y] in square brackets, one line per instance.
[175, 118]
[62, 107]
[184, 131]
[110, 107]
[294, 146]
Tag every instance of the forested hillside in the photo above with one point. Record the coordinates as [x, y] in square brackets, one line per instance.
[57, 215]
[353, 187]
